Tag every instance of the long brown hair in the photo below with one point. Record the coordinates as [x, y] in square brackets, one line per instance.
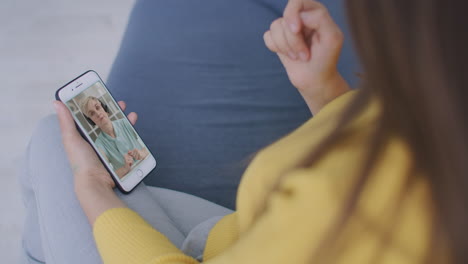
[414, 55]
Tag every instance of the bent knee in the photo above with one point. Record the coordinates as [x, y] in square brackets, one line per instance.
[46, 140]
[46, 156]
[47, 129]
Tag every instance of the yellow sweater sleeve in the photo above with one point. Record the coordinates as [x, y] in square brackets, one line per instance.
[122, 236]
[288, 232]
[221, 236]
[291, 226]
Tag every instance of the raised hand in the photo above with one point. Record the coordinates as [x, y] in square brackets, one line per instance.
[308, 43]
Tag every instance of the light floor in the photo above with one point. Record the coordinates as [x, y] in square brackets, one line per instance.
[43, 44]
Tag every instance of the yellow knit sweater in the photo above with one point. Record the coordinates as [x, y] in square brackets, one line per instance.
[298, 216]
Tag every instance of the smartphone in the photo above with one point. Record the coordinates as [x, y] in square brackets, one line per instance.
[103, 124]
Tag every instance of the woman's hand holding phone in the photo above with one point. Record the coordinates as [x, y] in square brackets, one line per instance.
[93, 184]
[86, 166]
[308, 43]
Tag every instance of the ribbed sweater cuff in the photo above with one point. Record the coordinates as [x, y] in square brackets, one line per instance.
[122, 236]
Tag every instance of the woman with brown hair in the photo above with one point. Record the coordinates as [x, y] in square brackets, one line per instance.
[376, 176]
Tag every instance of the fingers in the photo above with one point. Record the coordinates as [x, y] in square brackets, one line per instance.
[67, 124]
[133, 117]
[316, 24]
[122, 105]
[280, 39]
[133, 153]
[292, 12]
[320, 21]
[291, 15]
[128, 159]
[269, 42]
[296, 43]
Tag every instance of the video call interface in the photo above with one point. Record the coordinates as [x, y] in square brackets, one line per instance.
[109, 130]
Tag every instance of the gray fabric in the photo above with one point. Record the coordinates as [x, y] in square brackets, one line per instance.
[194, 243]
[56, 229]
[207, 90]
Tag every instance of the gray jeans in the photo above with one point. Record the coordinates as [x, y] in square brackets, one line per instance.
[56, 229]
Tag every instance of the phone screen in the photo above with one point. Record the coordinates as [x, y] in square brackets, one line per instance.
[109, 130]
